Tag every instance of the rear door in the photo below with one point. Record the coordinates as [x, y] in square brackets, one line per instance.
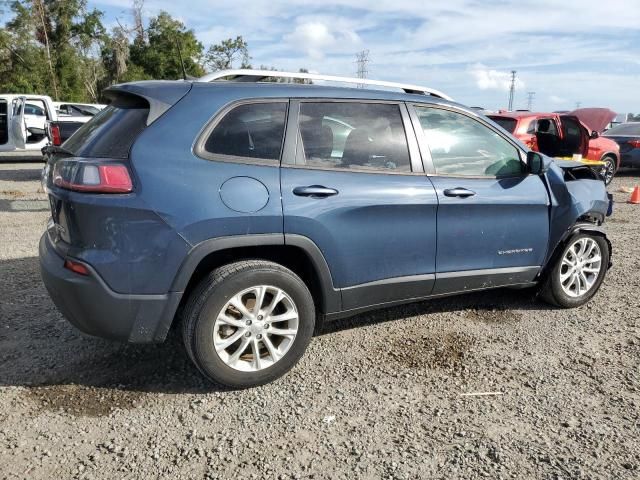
[354, 185]
[18, 126]
[493, 220]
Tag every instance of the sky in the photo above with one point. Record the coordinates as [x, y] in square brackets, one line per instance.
[566, 51]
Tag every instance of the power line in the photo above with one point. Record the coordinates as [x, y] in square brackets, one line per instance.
[362, 59]
[512, 89]
[530, 97]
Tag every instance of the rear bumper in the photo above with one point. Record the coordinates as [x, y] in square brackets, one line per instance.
[91, 306]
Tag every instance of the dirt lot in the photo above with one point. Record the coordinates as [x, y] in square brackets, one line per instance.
[376, 396]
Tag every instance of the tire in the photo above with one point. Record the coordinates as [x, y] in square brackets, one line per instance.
[553, 290]
[608, 170]
[209, 309]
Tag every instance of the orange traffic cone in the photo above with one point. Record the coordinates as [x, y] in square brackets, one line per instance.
[635, 195]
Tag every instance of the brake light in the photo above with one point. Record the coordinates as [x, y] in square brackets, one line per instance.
[92, 177]
[76, 267]
[634, 143]
[56, 140]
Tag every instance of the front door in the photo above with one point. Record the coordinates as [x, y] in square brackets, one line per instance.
[493, 217]
[355, 186]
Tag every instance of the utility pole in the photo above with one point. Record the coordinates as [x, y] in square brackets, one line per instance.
[578, 104]
[512, 89]
[530, 97]
[362, 59]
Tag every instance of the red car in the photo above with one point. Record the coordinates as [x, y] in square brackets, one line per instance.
[566, 135]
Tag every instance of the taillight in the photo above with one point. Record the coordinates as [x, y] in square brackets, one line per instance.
[56, 140]
[634, 143]
[93, 177]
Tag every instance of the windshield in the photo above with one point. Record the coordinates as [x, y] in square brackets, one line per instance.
[624, 129]
[509, 124]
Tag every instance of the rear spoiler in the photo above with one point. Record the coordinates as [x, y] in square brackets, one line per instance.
[161, 95]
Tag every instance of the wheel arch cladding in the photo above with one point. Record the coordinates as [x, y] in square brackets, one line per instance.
[297, 253]
[578, 227]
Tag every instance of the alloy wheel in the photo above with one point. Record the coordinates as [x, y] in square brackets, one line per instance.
[255, 328]
[608, 171]
[581, 266]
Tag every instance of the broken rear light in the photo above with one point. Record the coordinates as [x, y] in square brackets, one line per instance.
[92, 177]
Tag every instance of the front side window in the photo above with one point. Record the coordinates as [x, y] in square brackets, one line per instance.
[249, 131]
[353, 136]
[461, 145]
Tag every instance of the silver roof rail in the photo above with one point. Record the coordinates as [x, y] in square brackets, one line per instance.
[247, 75]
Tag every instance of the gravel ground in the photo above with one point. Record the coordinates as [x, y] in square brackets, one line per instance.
[376, 396]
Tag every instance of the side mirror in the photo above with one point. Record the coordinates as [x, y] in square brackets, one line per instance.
[594, 135]
[535, 163]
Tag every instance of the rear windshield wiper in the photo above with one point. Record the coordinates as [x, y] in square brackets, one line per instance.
[57, 149]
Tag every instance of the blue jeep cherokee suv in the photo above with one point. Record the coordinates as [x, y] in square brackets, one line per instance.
[251, 211]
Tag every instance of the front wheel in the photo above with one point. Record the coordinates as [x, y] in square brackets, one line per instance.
[608, 170]
[248, 323]
[578, 272]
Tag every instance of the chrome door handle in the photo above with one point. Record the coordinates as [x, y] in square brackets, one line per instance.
[459, 192]
[314, 191]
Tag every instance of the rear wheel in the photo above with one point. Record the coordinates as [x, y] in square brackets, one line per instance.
[579, 271]
[608, 170]
[248, 323]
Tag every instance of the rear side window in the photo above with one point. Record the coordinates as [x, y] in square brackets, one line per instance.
[509, 124]
[355, 136]
[111, 132]
[624, 129]
[248, 132]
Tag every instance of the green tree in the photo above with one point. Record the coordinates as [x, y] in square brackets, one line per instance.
[227, 54]
[22, 61]
[159, 55]
[57, 36]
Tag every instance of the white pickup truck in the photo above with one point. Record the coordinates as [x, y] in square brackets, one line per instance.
[23, 120]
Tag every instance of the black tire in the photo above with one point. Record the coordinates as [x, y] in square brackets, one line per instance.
[213, 293]
[552, 291]
[609, 169]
